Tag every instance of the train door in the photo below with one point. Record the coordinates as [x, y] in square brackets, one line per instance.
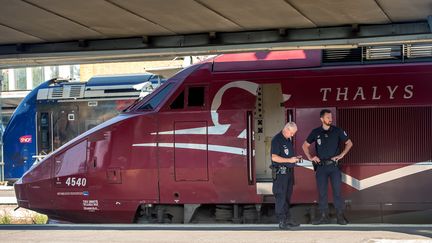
[182, 149]
[269, 117]
[44, 132]
[55, 127]
[65, 125]
[190, 166]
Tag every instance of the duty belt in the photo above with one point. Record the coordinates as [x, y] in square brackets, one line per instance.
[283, 170]
[328, 162]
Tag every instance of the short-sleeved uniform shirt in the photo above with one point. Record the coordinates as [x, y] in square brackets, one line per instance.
[327, 142]
[282, 147]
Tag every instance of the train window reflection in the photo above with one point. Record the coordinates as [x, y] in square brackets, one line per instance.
[64, 128]
[156, 99]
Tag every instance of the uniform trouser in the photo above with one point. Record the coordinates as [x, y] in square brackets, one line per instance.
[322, 175]
[282, 190]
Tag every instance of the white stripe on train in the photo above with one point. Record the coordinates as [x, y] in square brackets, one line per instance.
[347, 179]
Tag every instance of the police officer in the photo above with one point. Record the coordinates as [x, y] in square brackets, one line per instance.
[283, 162]
[328, 140]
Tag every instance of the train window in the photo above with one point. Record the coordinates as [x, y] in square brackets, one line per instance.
[196, 96]
[64, 127]
[45, 141]
[178, 103]
[157, 98]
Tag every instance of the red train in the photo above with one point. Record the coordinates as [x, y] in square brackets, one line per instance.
[197, 149]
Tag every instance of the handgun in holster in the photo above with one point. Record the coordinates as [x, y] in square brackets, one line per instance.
[338, 164]
[274, 171]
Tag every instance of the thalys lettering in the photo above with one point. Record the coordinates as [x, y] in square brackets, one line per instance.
[363, 93]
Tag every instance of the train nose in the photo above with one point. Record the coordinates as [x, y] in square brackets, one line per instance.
[33, 189]
[21, 194]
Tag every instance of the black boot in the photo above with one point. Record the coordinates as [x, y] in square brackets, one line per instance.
[341, 218]
[291, 222]
[324, 219]
[283, 225]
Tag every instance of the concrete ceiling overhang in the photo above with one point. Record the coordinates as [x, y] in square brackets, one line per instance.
[37, 32]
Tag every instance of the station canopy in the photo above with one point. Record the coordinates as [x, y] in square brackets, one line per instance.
[43, 32]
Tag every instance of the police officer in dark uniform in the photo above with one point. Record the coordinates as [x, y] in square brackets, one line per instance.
[283, 162]
[328, 140]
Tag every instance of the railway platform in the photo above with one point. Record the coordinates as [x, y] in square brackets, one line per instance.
[371, 233]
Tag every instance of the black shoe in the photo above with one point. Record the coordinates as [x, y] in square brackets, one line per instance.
[324, 219]
[283, 225]
[291, 223]
[341, 219]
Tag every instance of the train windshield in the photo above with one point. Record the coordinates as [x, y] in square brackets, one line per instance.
[154, 101]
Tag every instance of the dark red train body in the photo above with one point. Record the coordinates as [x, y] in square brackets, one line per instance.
[202, 141]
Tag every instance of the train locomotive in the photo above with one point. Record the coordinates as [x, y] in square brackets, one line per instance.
[198, 148]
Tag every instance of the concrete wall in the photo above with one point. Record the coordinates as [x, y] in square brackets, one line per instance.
[89, 70]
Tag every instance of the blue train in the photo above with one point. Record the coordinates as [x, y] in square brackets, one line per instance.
[58, 110]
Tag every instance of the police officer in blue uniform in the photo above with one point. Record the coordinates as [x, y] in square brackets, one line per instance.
[328, 140]
[283, 162]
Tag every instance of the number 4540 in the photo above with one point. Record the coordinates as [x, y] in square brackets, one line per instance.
[76, 181]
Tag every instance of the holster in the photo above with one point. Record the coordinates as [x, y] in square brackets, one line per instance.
[339, 164]
[274, 171]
